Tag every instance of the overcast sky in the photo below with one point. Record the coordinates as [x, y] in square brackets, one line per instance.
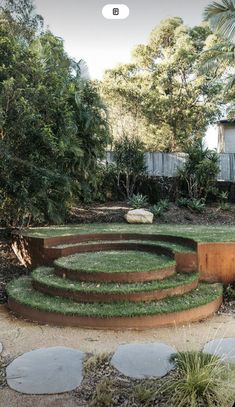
[104, 43]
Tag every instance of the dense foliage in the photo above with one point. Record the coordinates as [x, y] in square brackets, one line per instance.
[53, 125]
[199, 173]
[129, 164]
[163, 97]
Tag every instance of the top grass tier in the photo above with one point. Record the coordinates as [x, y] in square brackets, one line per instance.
[200, 233]
[114, 262]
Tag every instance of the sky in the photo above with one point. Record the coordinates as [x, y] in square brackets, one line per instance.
[105, 43]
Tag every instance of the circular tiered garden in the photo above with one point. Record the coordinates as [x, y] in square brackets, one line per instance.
[115, 285]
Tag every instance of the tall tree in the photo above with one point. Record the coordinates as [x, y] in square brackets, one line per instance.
[44, 125]
[162, 96]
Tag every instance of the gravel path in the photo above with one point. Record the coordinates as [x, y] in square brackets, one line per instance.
[19, 336]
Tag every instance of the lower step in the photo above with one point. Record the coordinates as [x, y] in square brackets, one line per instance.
[194, 306]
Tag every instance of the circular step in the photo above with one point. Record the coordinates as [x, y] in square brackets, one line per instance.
[117, 265]
[45, 281]
[35, 306]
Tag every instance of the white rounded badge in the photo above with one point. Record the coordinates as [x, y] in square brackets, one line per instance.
[115, 11]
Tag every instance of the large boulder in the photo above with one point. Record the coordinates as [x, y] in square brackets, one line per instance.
[139, 216]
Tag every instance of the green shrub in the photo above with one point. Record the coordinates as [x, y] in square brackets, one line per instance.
[223, 201]
[223, 196]
[202, 380]
[224, 206]
[138, 201]
[197, 205]
[199, 173]
[165, 204]
[157, 210]
[130, 164]
[183, 202]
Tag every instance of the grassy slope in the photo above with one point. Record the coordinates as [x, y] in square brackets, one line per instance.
[46, 276]
[198, 232]
[21, 291]
[114, 262]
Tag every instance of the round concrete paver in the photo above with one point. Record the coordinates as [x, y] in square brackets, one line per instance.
[225, 348]
[46, 371]
[140, 361]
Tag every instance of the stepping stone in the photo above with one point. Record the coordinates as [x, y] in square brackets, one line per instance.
[46, 371]
[225, 348]
[140, 361]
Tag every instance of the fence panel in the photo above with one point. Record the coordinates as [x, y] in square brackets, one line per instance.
[167, 164]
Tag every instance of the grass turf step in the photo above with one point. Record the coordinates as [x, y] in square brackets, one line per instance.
[46, 276]
[118, 261]
[21, 292]
[200, 233]
[173, 246]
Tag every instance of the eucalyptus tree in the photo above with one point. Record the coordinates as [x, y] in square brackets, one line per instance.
[162, 96]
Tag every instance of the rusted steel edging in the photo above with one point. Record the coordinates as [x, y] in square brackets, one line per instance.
[117, 323]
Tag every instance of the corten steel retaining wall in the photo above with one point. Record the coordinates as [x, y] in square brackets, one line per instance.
[34, 251]
[214, 261]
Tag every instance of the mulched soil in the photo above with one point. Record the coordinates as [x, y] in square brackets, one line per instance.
[228, 306]
[104, 386]
[115, 211]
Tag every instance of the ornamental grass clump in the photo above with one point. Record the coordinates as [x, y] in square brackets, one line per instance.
[202, 380]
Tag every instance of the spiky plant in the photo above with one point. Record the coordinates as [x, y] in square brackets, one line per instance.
[202, 381]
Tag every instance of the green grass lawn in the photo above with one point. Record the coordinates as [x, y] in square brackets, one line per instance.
[117, 261]
[21, 291]
[200, 233]
[46, 276]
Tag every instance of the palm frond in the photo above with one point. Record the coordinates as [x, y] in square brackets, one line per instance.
[221, 17]
[83, 69]
[221, 52]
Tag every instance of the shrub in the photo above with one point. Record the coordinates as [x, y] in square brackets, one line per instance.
[202, 380]
[199, 173]
[165, 204]
[138, 201]
[224, 206]
[160, 208]
[130, 164]
[196, 205]
[223, 201]
[157, 210]
[183, 202]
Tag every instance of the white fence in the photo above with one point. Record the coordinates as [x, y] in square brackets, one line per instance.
[167, 164]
